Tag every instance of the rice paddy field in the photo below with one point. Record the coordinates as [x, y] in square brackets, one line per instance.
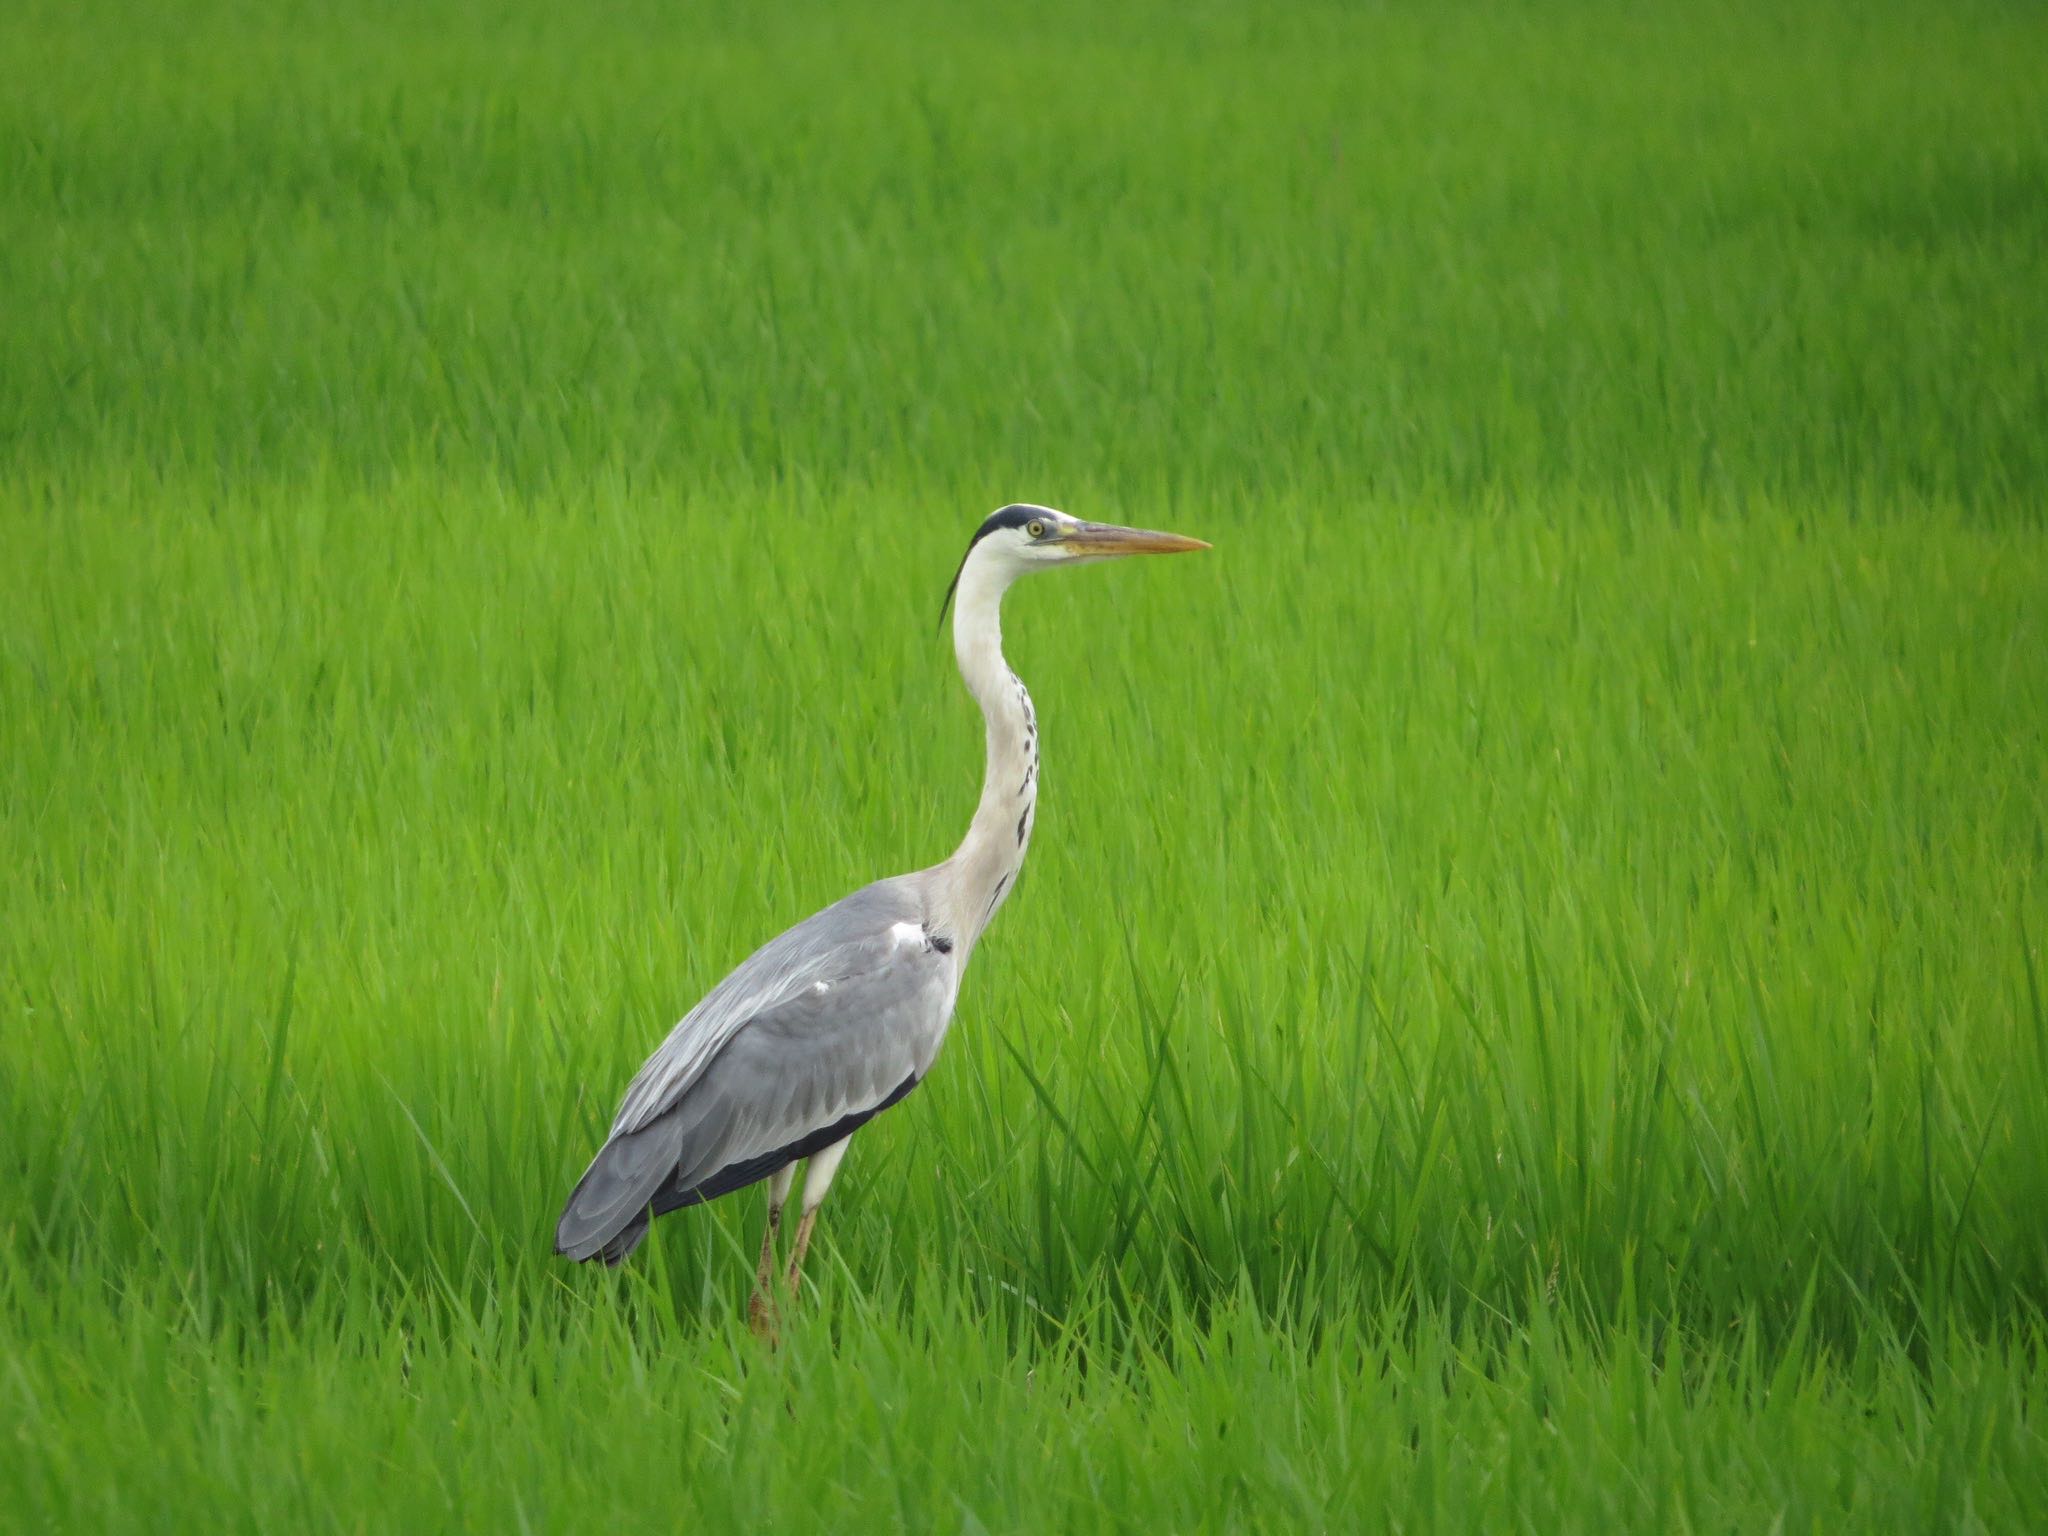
[1526, 1009]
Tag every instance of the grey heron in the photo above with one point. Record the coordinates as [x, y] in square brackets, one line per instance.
[823, 1028]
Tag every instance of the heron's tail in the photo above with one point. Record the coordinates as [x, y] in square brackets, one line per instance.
[607, 1212]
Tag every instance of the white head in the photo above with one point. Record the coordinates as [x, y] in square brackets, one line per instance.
[1022, 538]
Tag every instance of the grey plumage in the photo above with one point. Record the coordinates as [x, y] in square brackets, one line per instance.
[834, 1021]
[825, 1022]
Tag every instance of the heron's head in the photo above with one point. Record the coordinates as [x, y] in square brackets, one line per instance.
[1023, 538]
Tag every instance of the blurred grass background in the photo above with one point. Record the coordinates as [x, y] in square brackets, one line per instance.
[1527, 1005]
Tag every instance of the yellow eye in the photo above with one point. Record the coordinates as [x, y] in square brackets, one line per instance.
[1035, 528]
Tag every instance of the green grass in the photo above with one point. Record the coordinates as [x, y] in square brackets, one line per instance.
[1526, 1009]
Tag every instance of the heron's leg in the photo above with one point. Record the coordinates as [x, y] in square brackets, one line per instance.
[761, 1305]
[817, 1179]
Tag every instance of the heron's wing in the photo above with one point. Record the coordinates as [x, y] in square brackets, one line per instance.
[852, 937]
[807, 1073]
[820, 1030]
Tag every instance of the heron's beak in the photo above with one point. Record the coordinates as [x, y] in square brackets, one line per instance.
[1099, 541]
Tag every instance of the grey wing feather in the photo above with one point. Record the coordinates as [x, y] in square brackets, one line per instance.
[614, 1189]
[847, 938]
[819, 1028]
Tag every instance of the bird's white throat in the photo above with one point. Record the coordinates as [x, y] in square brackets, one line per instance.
[975, 881]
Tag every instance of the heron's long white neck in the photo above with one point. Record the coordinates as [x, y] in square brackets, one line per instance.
[982, 871]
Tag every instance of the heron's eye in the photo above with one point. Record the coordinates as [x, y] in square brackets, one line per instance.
[1035, 528]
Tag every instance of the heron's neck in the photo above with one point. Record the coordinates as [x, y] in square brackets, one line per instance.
[982, 871]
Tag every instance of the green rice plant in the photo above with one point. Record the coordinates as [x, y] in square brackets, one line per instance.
[1526, 1005]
